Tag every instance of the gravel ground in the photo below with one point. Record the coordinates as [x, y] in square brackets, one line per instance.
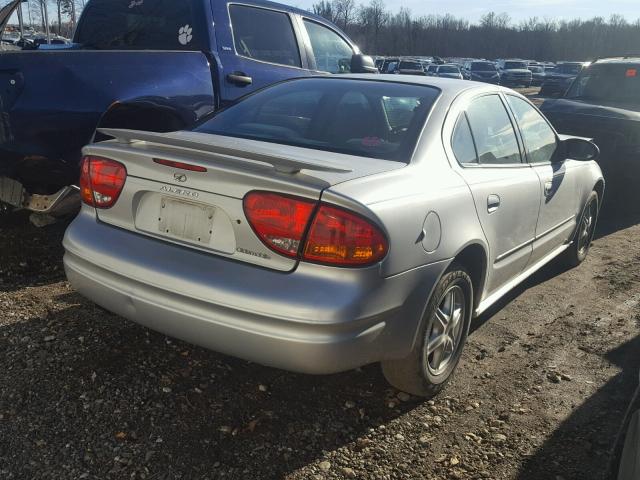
[539, 394]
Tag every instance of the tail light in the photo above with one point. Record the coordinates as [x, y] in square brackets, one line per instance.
[278, 220]
[339, 237]
[101, 181]
[333, 236]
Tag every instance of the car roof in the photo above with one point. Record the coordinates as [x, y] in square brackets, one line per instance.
[634, 59]
[446, 85]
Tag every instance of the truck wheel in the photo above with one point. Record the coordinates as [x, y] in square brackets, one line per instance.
[441, 337]
[578, 250]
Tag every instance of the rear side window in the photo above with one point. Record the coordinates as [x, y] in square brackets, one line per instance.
[264, 35]
[331, 52]
[493, 132]
[462, 142]
[539, 138]
[138, 25]
[357, 117]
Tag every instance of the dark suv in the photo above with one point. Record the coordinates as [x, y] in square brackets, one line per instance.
[603, 103]
[557, 81]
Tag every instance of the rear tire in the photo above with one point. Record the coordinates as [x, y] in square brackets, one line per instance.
[441, 337]
[578, 250]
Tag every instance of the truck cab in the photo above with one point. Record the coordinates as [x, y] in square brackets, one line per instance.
[157, 65]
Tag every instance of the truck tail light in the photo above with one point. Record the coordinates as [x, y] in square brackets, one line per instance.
[101, 181]
[334, 236]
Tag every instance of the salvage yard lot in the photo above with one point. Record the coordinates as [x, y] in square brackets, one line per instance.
[540, 393]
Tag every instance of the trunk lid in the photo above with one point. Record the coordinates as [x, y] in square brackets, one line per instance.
[204, 209]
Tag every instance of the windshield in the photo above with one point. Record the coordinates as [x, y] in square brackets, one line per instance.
[608, 82]
[404, 65]
[572, 68]
[448, 69]
[138, 25]
[359, 117]
[515, 65]
[483, 67]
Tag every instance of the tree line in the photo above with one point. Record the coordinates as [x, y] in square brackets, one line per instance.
[379, 31]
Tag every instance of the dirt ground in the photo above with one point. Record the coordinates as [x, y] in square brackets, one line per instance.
[539, 394]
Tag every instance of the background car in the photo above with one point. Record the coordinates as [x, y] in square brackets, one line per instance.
[603, 103]
[558, 80]
[326, 223]
[514, 73]
[448, 70]
[481, 71]
[538, 74]
[409, 67]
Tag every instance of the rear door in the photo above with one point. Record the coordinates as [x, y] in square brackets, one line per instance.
[559, 192]
[506, 190]
[257, 46]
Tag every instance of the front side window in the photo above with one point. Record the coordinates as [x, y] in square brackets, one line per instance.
[357, 117]
[331, 52]
[493, 132]
[138, 25]
[264, 35]
[539, 138]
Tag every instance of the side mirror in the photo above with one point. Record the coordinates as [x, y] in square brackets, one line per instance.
[576, 148]
[363, 64]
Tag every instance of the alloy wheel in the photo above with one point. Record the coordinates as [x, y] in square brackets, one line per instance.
[443, 337]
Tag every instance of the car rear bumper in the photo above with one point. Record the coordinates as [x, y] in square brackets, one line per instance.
[313, 320]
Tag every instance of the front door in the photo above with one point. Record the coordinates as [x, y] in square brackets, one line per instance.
[559, 196]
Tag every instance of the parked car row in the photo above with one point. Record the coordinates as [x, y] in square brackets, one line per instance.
[553, 79]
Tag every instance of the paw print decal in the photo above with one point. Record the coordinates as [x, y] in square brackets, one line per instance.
[184, 35]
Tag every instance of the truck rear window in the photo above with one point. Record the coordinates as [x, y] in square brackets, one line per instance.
[138, 25]
[358, 117]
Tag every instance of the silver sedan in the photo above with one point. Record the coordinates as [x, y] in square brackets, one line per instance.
[326, 223]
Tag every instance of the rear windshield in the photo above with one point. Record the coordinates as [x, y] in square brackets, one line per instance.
[358, 117]
[608, 82]
[483, 67]
[138, 25]
[448, 69]
[410, 65]
[515, 65]
[536, 69]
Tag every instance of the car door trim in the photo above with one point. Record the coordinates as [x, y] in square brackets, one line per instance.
[555, 227]
[534, 239]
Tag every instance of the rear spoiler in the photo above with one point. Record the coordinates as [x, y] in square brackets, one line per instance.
[279, 163]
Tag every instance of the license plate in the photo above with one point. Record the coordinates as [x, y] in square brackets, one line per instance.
[186, 220]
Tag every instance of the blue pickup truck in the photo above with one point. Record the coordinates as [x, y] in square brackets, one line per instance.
[157, 65]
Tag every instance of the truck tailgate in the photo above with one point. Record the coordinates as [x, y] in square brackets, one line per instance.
[51, 101]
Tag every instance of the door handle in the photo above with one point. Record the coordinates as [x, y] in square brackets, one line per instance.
[548, 188]
[493, 203]
[239, 78]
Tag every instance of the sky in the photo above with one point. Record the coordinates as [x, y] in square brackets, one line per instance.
[517, 9]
